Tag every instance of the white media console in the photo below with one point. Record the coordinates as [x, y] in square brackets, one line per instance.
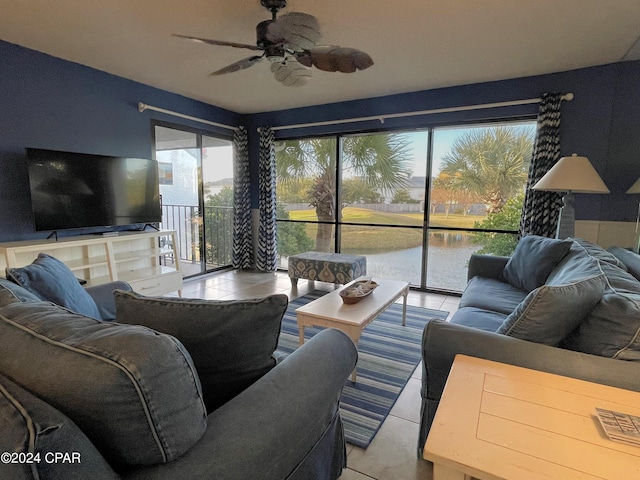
[149, 261]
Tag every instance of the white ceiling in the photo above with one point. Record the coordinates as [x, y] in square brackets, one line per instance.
[415, 44]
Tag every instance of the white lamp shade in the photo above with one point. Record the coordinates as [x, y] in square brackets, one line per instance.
[572, 174]
[635, 188]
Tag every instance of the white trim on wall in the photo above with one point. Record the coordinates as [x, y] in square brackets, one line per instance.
[607, 234]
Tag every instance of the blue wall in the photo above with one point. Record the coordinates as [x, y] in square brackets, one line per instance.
[602, 122]
[46, 102]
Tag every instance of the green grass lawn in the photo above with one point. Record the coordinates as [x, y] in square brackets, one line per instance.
[367, 239]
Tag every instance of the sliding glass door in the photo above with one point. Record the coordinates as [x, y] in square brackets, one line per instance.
[196, 184]
[417, 204]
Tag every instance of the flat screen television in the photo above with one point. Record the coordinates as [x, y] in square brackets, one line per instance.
[79, 190]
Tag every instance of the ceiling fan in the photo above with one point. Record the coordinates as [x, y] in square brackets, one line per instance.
[290, 44]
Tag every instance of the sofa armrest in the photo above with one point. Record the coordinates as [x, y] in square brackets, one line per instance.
[442, 341]
[269, 428]
[489, 266]
[103, 296]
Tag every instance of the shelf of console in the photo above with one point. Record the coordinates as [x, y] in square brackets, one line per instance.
[166, 282]
[135, 257]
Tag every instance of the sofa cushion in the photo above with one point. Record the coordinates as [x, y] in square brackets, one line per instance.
[12, 293]
[491, 294]
[478, 318]
[612, 327]
[550, 312]
[51, 280]
[599, 253]
[578, 264]
[133, 391]
[532, 261]
[32, 427]
[631, 260]
[231, 342]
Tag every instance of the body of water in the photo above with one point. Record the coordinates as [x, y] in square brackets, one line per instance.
[446, 266]
[447, 262]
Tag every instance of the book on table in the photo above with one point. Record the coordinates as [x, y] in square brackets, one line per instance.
[620, 427]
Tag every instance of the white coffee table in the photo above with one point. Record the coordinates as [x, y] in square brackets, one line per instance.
[330, 311]
[497, 421]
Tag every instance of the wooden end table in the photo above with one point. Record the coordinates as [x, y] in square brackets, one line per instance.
[330, 311]
[497, 421]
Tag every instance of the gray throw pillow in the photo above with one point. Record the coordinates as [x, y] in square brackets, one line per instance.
[533, 260]
[134, 392]
[51, 280]
[33, 427]
[231, 342]
[630, 259]
[11, 292]
[612, 327]
[551, 312]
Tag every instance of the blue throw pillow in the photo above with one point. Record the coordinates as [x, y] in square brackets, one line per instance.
[231, 341]
[551, 312]
[51, 280]
[31, 426]
[630, 259]
[132, 391]
[612, 327]
[12, 293]
[533, 260]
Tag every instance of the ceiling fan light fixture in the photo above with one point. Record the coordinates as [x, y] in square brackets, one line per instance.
[275, 53]
[291, 73]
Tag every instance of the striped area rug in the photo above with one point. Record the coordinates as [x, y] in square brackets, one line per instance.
[388, 353]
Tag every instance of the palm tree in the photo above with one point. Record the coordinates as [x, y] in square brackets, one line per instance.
[491, 163]
[380, 161]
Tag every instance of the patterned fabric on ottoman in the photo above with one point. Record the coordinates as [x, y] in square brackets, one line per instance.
[326, 267]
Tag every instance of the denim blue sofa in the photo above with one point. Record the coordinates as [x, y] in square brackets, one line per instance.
[572, 311]
[83, 398]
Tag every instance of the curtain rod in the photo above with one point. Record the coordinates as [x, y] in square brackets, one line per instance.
[567, 97]
[143, 106]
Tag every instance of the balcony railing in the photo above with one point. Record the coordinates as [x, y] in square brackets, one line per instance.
[217, 233]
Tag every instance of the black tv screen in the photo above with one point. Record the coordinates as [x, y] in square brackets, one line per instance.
[79, 190]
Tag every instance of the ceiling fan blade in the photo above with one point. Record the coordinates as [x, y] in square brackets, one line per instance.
[291, 73]
[239, 65]
[335, 59]
[300, 31]
[217, 42]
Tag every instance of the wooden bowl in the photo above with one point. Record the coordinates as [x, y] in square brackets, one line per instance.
[357, 291]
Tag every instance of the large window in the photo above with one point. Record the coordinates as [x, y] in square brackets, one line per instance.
[417, 204]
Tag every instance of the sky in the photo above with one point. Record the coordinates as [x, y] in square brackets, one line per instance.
[443, 140]
[218, 164]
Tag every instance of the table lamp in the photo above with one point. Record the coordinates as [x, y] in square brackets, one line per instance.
[635, 188]
[571, 175]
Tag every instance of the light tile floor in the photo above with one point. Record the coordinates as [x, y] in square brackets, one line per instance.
[392, 453]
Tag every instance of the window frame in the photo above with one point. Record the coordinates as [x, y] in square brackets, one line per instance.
[429, 130]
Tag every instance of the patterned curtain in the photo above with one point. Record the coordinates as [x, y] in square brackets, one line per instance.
[540, 210]
[242, 256]
[266, 258]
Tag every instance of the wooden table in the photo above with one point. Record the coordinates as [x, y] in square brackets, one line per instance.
[497, 421]
[330, 311]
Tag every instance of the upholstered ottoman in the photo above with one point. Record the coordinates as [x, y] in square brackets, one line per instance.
[326, 267]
